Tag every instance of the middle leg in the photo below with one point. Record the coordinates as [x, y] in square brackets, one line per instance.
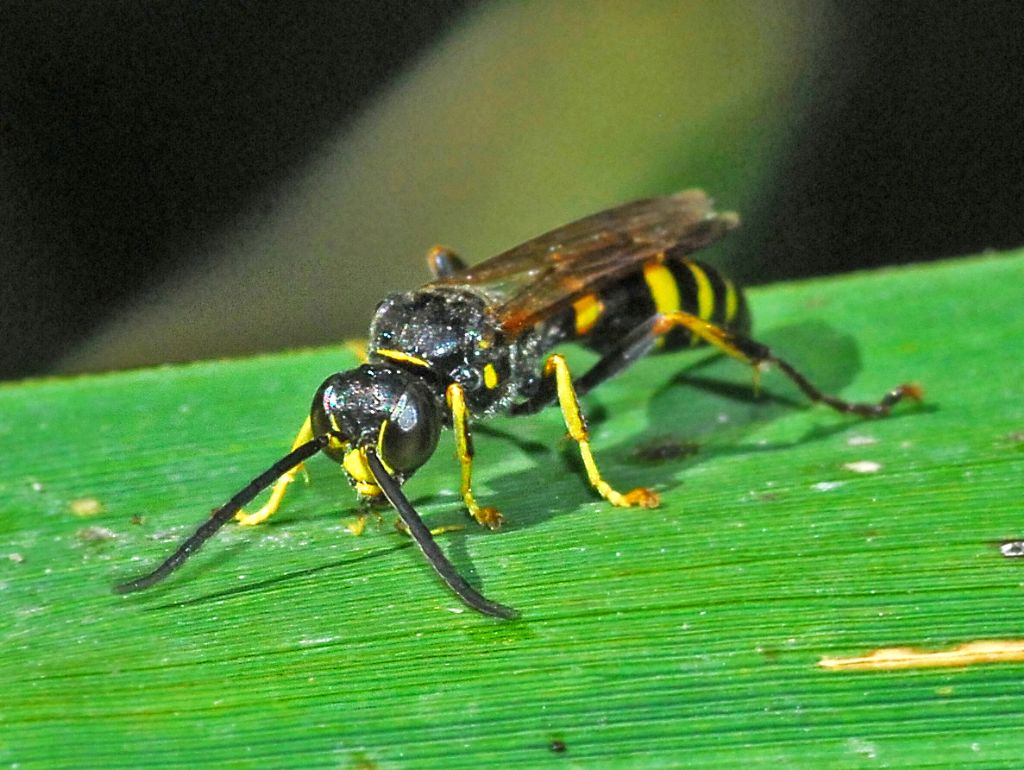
[557, 369]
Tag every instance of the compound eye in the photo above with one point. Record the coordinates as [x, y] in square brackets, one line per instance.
[411, 432]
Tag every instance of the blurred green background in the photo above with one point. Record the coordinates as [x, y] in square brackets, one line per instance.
[181, 181]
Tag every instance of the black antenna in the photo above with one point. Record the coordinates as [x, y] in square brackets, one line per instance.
[421, 534]
[224, 514]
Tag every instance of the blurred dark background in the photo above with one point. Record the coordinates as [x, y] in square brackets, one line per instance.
[158, 159]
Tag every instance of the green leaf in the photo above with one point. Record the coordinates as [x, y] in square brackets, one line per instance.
[688, 635]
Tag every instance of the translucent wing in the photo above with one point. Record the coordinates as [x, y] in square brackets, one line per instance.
[545, 275]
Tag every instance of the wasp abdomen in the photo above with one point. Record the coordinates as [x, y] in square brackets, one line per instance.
[602, 319]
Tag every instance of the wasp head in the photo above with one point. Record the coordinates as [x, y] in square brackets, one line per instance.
[380, 407]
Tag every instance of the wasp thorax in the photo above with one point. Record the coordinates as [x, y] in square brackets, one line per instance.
[382, 407]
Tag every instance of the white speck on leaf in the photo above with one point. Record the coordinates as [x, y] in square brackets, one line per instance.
[863, 747]
[828, 486]
[1012, 549]
[863, 466]
[861, 440]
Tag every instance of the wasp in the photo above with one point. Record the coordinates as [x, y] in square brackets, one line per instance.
[479, 341]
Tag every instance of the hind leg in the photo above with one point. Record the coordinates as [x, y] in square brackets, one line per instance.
[558, 379]
[642, 339]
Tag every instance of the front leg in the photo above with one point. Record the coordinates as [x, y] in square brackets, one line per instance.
[456, 397]
[280, 486]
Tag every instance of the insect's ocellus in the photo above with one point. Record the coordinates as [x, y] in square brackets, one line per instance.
[478, 341]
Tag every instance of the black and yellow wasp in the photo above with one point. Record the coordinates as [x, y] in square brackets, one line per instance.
[477, 341]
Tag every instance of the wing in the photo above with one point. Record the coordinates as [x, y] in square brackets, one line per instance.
[543, 276]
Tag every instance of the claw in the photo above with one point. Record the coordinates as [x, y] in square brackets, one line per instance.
[489, 517]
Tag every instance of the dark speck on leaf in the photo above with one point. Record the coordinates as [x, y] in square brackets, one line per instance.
[663, 449]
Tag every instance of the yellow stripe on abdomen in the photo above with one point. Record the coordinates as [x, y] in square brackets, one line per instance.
[705, 292]
[732, 301]
[663, 287]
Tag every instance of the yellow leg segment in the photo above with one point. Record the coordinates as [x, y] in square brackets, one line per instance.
[711, 334]
[280, 486]
[705, 330]
[577, 427]
[442, 530]
[759, 357]
[456, 397]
